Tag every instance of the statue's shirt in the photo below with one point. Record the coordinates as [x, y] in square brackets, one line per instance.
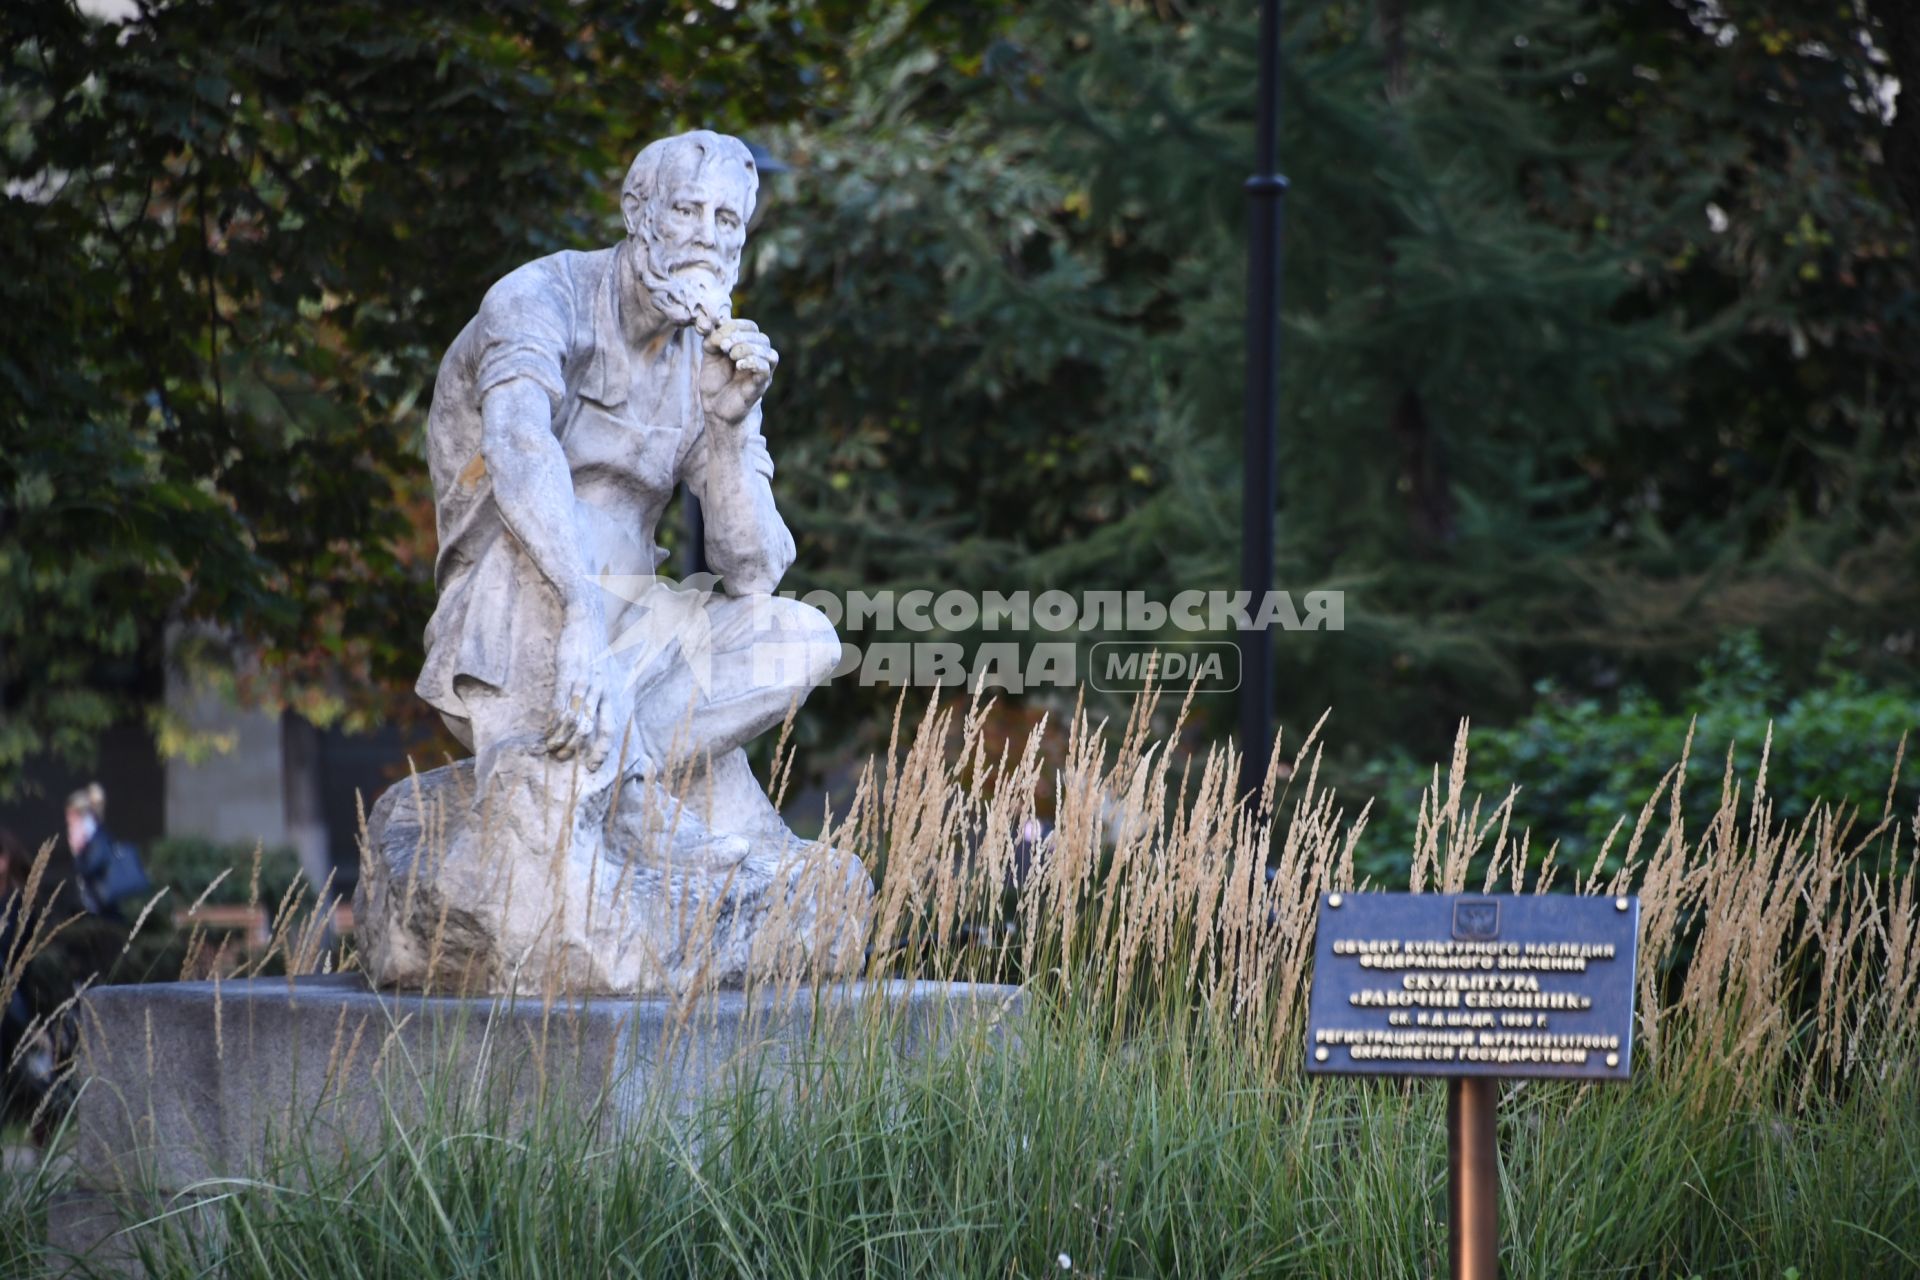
[631, 431]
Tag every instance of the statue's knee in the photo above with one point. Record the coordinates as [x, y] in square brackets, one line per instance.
[799, 649]
[823, 644]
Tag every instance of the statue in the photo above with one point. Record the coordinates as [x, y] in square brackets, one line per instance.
[608, 834]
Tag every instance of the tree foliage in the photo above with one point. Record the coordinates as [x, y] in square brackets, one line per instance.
[240, 240]
[1600, 319]
[1600, 331]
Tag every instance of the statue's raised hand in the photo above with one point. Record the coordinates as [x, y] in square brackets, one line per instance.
[739, 365]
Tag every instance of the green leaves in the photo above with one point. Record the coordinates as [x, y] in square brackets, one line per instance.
[243, 242]
[1598, 319]
[1584, 762]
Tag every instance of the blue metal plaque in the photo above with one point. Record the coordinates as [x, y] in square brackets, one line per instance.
[1430, 984]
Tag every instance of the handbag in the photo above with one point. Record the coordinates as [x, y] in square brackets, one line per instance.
[119, 875]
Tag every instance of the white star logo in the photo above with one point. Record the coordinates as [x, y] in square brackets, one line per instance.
[667, 612]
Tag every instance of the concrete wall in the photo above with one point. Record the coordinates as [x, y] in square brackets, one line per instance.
[237, 797]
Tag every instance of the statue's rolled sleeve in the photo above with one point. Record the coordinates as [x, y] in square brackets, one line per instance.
[522, 332]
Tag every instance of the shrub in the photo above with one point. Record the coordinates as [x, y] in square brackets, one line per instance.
[1583, 762]
[193, 867]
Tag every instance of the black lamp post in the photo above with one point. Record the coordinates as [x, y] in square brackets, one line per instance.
[1266, 190]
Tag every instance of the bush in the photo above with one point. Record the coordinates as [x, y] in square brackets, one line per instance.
[1583, 762]
[190, 866]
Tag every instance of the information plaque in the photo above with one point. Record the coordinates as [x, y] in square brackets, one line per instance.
[1428, 984]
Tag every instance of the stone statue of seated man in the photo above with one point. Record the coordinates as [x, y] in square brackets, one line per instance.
[608, 834]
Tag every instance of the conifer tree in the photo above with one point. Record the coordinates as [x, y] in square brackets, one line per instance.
[1543, 412]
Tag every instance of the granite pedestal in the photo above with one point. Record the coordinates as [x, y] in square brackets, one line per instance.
[189, 1082]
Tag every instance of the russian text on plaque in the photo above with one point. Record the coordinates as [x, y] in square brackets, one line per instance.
[1432, 984]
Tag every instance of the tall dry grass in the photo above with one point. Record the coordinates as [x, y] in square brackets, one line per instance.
[1772, 954]
[300, 942]
[1151, 1114]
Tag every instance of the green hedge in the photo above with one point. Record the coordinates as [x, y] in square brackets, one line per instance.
[189, 865]
[1582, 762]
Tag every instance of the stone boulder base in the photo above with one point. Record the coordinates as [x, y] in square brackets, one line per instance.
[447, 903]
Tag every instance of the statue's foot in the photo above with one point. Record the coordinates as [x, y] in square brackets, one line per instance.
[657, 828]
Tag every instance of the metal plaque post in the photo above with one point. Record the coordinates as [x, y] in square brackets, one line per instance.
[1473, 1178]
[1473, 988]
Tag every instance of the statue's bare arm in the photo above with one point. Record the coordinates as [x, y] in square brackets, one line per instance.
[534, 490]
[747, 543]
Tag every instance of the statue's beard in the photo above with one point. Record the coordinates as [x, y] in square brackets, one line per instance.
[692, 286]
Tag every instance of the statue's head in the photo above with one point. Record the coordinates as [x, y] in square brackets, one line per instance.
[686, 201]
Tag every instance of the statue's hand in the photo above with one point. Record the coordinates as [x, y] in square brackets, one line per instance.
[582, 685]
[739, 365]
